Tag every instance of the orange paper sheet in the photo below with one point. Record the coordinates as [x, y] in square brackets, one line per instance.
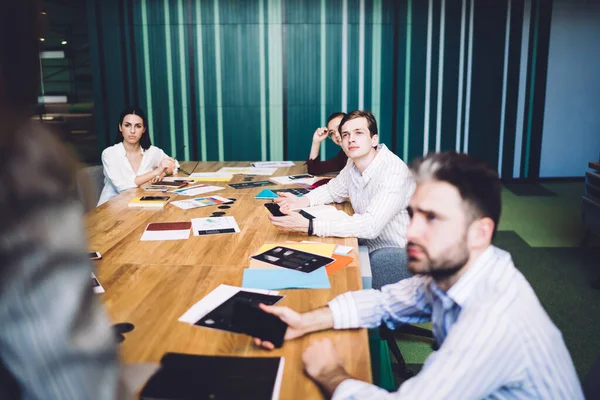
[339, 263]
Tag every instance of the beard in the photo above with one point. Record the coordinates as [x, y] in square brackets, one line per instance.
[448, 264]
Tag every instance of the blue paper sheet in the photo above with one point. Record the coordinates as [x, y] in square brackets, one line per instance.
[283, 278]
[266, 194]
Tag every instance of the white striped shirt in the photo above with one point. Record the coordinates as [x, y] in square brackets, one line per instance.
[495, 338]
[379, 197]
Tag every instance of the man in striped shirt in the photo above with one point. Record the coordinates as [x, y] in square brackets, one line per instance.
[494, 338]
[377, 182]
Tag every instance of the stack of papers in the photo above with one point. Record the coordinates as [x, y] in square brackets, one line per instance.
[196, 190]
[263, 276]
[248, 170]
[214, 226]
[167, 231]
[200, 202]
[273, 164]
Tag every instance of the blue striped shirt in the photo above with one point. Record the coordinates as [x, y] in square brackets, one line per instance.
[495, 339]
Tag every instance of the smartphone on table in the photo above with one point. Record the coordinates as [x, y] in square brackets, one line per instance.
[301, 176]
[95, 255]
[274, 209]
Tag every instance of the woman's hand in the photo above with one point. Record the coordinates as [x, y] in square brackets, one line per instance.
[167, 164]
[320, 135]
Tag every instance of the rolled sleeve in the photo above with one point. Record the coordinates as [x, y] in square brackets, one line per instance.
[356, 390]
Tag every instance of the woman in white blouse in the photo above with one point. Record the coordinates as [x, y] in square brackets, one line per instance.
[132, 160]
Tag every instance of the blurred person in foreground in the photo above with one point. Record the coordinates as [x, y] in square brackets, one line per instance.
[55, 339]
[494, 339]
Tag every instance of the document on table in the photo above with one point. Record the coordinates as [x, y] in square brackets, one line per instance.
[273, 164]
[214, 226]
[248, 170]
[196, 190]
[167, 231]
[201, 202]
[212, 176]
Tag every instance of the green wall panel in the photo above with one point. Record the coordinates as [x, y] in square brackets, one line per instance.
[247, 79]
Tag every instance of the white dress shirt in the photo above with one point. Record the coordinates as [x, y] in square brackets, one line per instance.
[379, 197]
[495, 339]
[118, 174]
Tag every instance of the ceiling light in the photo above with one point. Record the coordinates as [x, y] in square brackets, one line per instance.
[64, 42]
[42, 39]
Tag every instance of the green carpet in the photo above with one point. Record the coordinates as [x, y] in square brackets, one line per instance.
[543, 234]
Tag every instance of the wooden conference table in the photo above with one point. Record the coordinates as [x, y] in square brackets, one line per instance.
[151, 284]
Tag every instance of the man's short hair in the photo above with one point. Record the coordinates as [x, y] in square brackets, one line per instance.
[478, 183]
[371, 122]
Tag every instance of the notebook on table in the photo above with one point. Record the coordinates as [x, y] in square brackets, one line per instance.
[170, 184]
[187, 376]
[149, 201]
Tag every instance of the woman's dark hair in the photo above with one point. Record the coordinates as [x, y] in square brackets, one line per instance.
[335, 115]
[145, 140]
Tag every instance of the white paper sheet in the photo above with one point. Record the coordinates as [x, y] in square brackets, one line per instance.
[273, 164]
[214, 175]
[214, 299]
[343, 250]
[196, 190]
[285, 180]
[201, 202]
[214, 225]
[248, 170]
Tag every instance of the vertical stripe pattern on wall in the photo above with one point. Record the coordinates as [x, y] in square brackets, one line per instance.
[323, 69]
[344, 105]
[376, 60]
[263, 85]
[522, 90]
[147, 75]
[469, 71]
[252, 80]
[407, 80]
[184, 96]
[504, 83]
[427, 105]
[275, 80]
[200, 87]
[461, 68]
[361, 56]
[218, 81]
[438, 125]
[170, 86]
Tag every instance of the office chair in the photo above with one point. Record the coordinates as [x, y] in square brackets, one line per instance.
[389, 265]
[90, 181]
